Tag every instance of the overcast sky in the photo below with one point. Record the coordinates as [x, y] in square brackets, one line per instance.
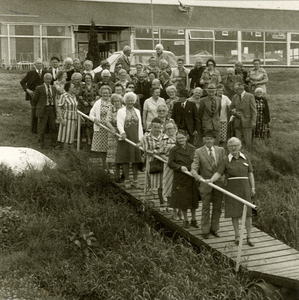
[290, 5]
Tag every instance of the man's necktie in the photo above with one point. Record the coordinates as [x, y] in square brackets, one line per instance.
[55, 73]
[212, 158]
[49, 97]
[40, 73]
[213, 105]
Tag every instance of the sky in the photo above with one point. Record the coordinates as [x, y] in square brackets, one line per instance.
[289, 5]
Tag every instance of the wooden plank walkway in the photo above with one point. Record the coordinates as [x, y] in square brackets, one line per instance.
[270, 259]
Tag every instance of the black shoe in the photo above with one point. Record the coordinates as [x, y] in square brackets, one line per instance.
[194, 224]
[237, 242]
[214, 233]
[205, 236]
[186, 224]
[249, 242]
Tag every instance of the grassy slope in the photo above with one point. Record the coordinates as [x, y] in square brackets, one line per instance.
[131, 260]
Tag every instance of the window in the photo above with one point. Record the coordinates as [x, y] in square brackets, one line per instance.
[24, 49]
[57, 30]
[251, 50]
[201, 34]
[253, 36]
[202, 49]
[144, 44]
[172, 34]
[226, 52]
[144, 33]
[177, 47]
[56, 47]
[276, 54]
[226, 35]
[21, 30]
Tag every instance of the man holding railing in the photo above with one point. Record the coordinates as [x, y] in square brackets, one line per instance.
[205, 163]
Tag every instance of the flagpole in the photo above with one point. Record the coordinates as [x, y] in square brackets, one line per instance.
[152, 16]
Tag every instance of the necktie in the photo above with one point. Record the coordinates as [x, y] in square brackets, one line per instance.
[183, 105]
[40, 73]
[49, 96]
[55, 73]
[213, 105]
[212, 158]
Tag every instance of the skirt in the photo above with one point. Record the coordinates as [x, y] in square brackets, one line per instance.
[66, 132]
[167, 181]
[100, 141]
[112, 146]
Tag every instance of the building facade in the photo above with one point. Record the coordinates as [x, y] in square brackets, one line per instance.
[40, 28]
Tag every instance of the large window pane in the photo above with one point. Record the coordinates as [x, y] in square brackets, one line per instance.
[144, 44]
[251, 51]
[226, 52]
[201, 34]
[276, 54]
[56, 47]
[144, 33]
[226, 35]
[57, 31]
[252, 36]
[203, 49]
[294, 54]
[275, 36]
[21, 30]
[295, 37]
[177, 47]
[24, 49]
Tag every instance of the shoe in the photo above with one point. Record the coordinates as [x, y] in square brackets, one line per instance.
[186, 224]
[249, 242]
[237, 240]
[194, 224]
[205, 236]
[180, 215]
[170, 209]
[127, 184]
[175, 217]
[162, 208]
[111, 171]
[214, 233]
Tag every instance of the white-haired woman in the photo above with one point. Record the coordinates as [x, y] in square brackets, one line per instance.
[88, 95]
[106, 75]
[129, 126]
[76, 79]
[240, 181]
[171, 91]
[87, 66]
[123, 78]
[68, 68]
[98, 114]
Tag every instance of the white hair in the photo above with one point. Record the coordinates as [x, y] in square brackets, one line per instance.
[234, 140]
[130, 95]
[105, 73]
[38, 60]
[68, 59]
[159, 46]
[89, 62]
[258, 90]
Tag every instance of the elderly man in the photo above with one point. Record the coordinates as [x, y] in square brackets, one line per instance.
[180, 76]
[243, 107]
[44, 100]
[29, 83]
[205, 163]
[161, 55]
[53, 70]
[209, 113]
[68, 68]
[143, 89]
[195, 74]
[124, 59]
[105, 66]
[239, 72]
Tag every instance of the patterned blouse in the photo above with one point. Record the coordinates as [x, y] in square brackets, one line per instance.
[88, 95]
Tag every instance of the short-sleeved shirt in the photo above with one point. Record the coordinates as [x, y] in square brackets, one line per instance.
[150, 105]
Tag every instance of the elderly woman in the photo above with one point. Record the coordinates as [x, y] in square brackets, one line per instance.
[131, 87]
[257, 77]
[172, 94]
[123, 78]
[77, 66]
[224, 112]
[129, 126]
[59, 84]
[68, 68]
[67, 115]
[152, 76]
[210, 74]
[179, 76]
[196, 97]
[116, 101]
[151, 144]
[263, 115]
[185, 193]
[88, 95]
[240, 181]
[76, 80]
[150, 107]
[168, 141]
[119, 89]
[164, 68]
[87, 66]
[162, 111]
[98, 114]
[106, 75]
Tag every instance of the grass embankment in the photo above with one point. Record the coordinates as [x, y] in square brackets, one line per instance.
[56, 211]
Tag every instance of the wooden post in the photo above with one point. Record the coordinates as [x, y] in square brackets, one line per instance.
[241, 237]
[78, 132]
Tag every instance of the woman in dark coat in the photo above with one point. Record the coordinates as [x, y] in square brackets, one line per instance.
[263, 115]
[185, 193]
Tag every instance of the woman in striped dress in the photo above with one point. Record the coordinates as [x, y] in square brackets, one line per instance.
[67, 115]
[98, 114]
[168, 141]
[151, 142]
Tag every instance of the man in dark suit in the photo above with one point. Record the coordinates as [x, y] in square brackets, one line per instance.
[143, 89]
[29, 83]
[185, 116]
[44, 100]
[243, 108]
[165, 82]
[53, 70]
[195, 74]
[209, 113]
[124, 59]
[205, 163]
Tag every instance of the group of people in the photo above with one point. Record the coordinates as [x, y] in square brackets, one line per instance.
[178, 114]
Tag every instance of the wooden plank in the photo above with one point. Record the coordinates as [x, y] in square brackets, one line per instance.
[290, 274]
[273, 265]
[287, 270]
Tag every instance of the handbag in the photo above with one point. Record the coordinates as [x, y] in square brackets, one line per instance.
[155, 166]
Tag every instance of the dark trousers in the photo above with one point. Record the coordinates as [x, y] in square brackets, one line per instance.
[34, 120]
[48, 118]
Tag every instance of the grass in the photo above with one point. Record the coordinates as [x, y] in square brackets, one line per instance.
[71, 235]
